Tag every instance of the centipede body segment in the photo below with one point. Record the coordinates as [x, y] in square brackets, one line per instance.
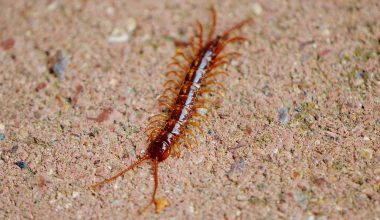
[191, 79]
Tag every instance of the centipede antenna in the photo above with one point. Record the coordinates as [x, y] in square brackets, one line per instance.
[121, 173]
[236, 27]
[153, 199]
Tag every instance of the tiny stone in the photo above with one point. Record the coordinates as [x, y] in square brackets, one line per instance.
[257, 9]
[238, 213]
[283, 115]
[110, 11]
[242, 197]
[367, 153]
[161, 203]
[75, 195]
[191, 208]
[2, 127]
[325, 32]
[2, 136]
[359, 75]
[21, 164]
[131, 25]
[14, 149]
[8, 44]
[113, 82]
[118, 36]
[60, 64]
[298, 109]
[366, 138]
[237, 166]
[52, 6]
[51, 143]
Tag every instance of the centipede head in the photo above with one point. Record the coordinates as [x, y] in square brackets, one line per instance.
[159, 149]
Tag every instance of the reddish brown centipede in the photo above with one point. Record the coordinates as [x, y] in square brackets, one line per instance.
[185, 95]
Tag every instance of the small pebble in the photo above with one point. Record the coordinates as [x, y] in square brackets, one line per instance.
[191, 208]
[2, 136]
[2, 127]
[242, 197]
[359, 74]
[110, 11]
[52, 6]
[257, 9]
[283, 116]
[325, 32]
[131, 25]
[8, 44]
[237, 166]
[367, 153]
[60, 64]
[118, 36]
[21, 164]
[121, 35]
[75, 195]
[161, 203]
[14, 149]
[113, 82]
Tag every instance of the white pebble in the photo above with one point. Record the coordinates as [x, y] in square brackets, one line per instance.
[118, 36]
[131, 25]
[325, 32]
[75, 195]
[257, 9]
[110, 11]
[191, 208]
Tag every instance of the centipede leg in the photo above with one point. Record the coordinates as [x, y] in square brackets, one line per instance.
[187, 141]
[175, 73]
[152, 129]
[195, 124]
[203, 117]
[237, 26]
[200, 29]
[166, 105]
[231, 40]
[228, 55]
[181, 54]
[215, 83]
[219, 63]
[192, 135]
[155, 122]
[192, 45]
[175, 150]
[169, 90]
[213, 24]
[165, 97]
[209, 90]
[178, 64]
[216, 73]
[158, 116]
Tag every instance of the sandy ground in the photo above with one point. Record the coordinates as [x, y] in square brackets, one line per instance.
[297, 135]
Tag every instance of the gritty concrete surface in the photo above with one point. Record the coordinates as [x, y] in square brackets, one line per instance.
[295, 137]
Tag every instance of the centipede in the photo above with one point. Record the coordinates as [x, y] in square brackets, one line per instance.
[192, 82]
